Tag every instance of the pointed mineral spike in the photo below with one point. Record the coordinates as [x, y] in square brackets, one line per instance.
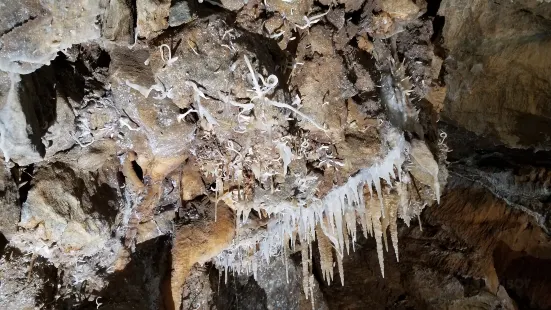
[392, 206]
[376, 211]
[384, 227]
[286, 263]
[341, 269]
[363, 221]
[403, 207]
[339, 229]
[305, 273]
[346, 240]
[377, 183]
[326, 256]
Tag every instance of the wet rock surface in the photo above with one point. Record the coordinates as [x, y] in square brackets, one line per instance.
[236, 154]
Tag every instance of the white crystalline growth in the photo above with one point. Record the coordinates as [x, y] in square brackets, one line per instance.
[337, 215]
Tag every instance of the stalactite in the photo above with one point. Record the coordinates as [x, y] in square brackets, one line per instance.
[377, 231]
[392, 214]
[326, 256]
[341, 269]
[305, 270]
[363, 199]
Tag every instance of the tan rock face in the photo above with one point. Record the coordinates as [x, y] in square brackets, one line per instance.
[118, 22]
[152, 17]
[75, 215]
[198, 243]
[401, 9]
[191, 183]
[498, 83]
[294, 11]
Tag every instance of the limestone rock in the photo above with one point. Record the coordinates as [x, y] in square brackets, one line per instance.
[336, 17]
[324, 94]
[118, 22]
[511, 77]
[192, 183]
[294, 11]
[287, 294]
[198, 292]
[152, 17]
[180, 13]
[27, 281]
[34, 31]
[233, 5]
[401, 9]
[198, 243]
[70, 212]
[424, 168]
[18, 144]
[9, 203]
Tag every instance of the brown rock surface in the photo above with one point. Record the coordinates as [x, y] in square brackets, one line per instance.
[152, 146]
[498, 82]
[9, 203]
[198, 243]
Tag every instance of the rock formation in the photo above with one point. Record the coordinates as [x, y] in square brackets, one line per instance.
[285, 154]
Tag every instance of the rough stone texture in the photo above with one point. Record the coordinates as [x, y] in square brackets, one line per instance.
[270, 290]
[294, 11]
[498, 56]
[152, 17]
[198, 292]
[198, 243]
[34, 31]
[139, 284]
[458, 265]
[117, 25]
[26, 281]
[122, 143]
[283, 287]
[9, 203]
[20, 143]
[402, 9]
[180, 13]
[89, 202]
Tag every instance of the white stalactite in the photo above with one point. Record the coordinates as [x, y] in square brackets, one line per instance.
[333, 218]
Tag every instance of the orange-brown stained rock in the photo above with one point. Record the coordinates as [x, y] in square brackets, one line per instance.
[191, 183]
[197, 243]
[470, 235]
[157, 169]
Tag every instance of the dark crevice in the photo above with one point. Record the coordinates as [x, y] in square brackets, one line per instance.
[37, 95]
[192, 211]
[432, 7]
[134, 11]
[525, 277]
[25, 183]
[138, 286]
[237, 293]
[464, 144]
[17, 25]
[3, 243]
[138, 170]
